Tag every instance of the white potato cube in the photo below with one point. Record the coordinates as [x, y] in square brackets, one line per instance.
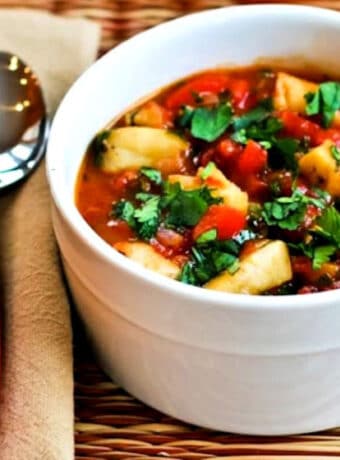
[321, 168]
[145, 255]
[267, 267]
[290, 92]
[134, 147]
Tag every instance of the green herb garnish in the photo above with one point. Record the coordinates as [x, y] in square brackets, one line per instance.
[325, 101]
[253, 116]
[186, 207]
[185, 117]
[209, 124]
[336, 154]
[319, 254]
[148, 218]
[207, 170]
[144, 220]
[322, 254]
[206, 263]
[288, 212]
[287, 148]
[153, 175]
[328, 225]
[206, 237]
[210, 258]
[125, 210]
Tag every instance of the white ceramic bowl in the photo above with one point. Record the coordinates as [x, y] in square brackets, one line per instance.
[250, 364]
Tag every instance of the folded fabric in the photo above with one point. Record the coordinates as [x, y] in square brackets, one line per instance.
[36, 413]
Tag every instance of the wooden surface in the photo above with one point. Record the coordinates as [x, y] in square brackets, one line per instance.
[110, 424]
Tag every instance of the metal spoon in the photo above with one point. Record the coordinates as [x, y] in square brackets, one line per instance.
[23, 121]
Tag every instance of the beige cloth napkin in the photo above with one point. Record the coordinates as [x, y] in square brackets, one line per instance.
[36, 413]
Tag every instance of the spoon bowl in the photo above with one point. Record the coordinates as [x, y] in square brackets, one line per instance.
[23, 120]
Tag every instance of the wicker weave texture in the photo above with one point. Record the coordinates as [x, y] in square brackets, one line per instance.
[110, 424]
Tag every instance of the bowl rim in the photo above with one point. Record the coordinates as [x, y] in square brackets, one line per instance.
[103, 250]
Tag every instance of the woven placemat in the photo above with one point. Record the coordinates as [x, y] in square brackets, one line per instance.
[111, 424]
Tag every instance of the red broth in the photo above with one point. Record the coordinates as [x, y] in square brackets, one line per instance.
[223, 179]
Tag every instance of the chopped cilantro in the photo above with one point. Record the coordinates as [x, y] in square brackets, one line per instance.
[328, 225]
[322, 254]
[209, 124]
[152, 174]
[186, 207]
[206, 237]
[287, 148]
[288, 212]
[144, 220]
[187, 275]
[125, 210]
[319, 254]
[285, 212]
[148, 218]
[210, 258]
[144, 196]
[336, 154]
[185, 117]
[325, 101]
[258, 124]
[240, 136]
[263, 131]
[205, 264]
[265, 144]
[207, 170]
[253, 116]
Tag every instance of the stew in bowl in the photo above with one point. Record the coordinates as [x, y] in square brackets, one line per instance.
[221, 177]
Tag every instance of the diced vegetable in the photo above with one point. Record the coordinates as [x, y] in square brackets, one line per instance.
[169, 183]
[227, 222]
[297, 126]
[253, 158]
[293, 93]
[134, 147]
[264, 269]
[145, 255]
[290, 92]
[321, 168]
[221, 187]
[232, 195]
[324, 102]
[150, 114]
[213, 83]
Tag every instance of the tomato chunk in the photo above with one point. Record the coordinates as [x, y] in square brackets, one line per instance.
[226, 220]
[299, 127]
[213, 83]
[329, 134]
[253, 158]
